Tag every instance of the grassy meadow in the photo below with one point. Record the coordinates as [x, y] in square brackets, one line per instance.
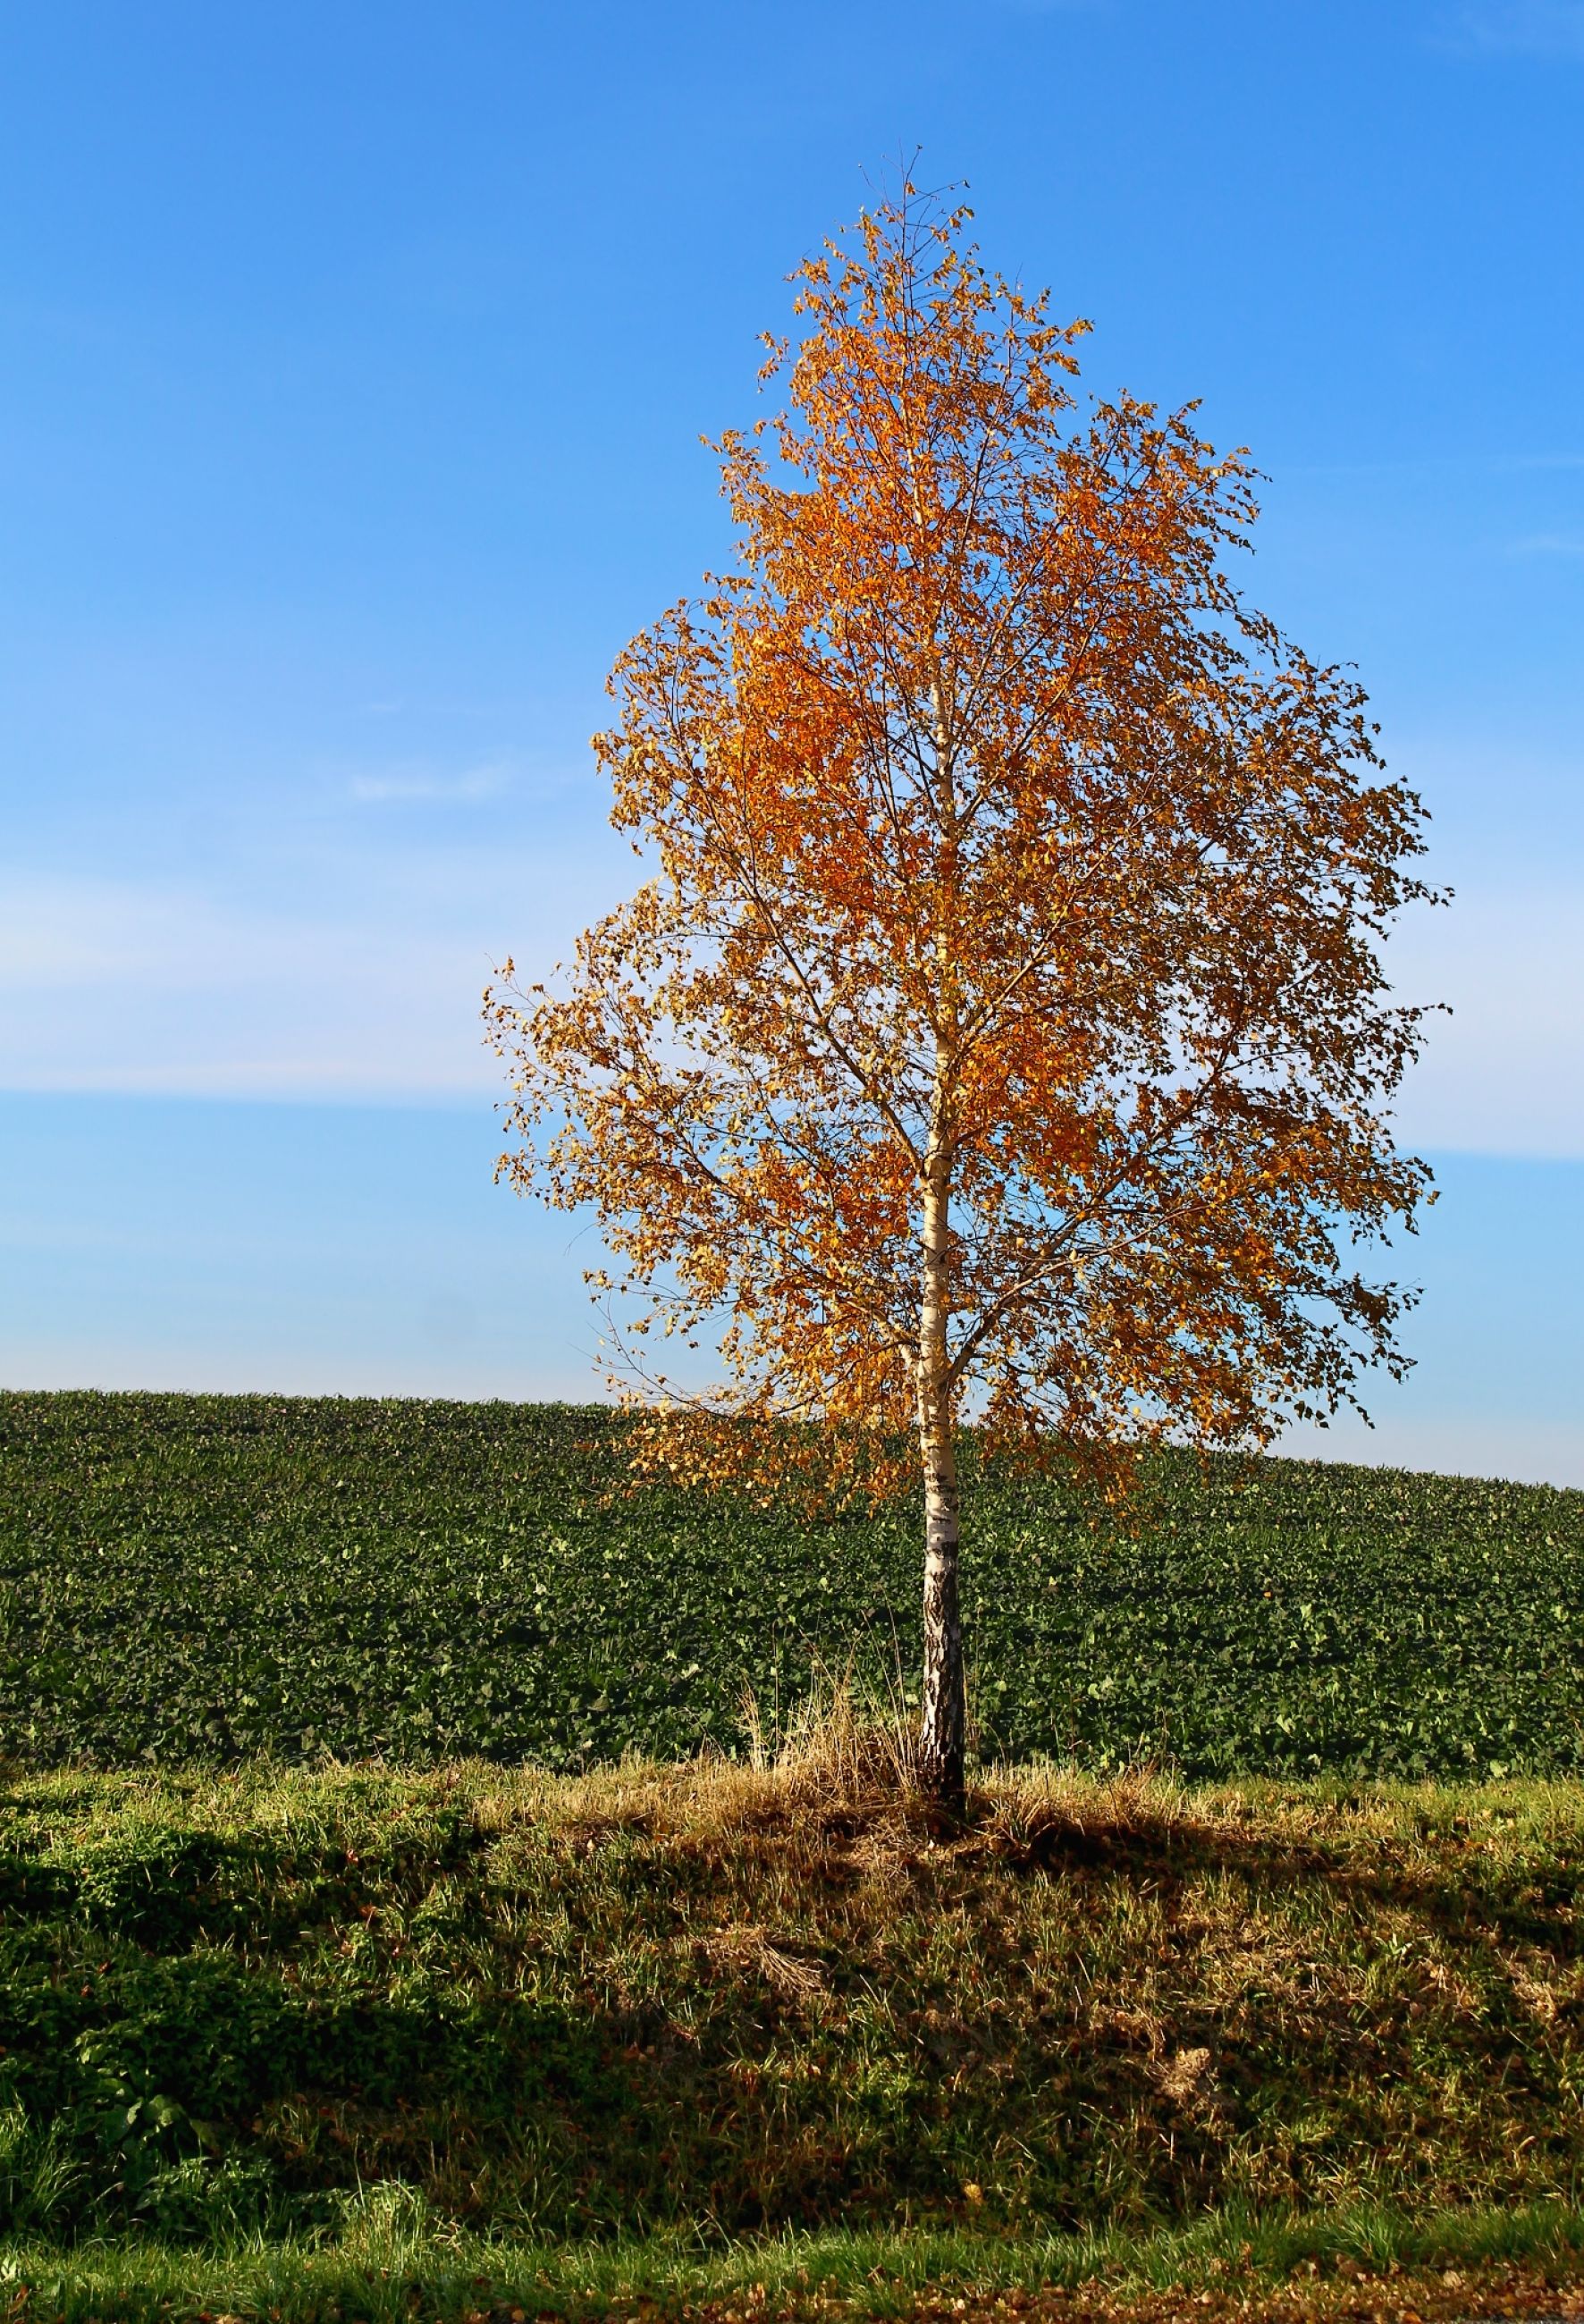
[585, 2041]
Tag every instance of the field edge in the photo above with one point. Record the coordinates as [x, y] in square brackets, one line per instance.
[1353, 2262]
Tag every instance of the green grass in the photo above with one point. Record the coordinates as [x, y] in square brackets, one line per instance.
[709, 2004]
[188, 1580]
[380, 2265]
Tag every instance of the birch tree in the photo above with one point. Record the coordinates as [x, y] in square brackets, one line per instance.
[1001, 1037]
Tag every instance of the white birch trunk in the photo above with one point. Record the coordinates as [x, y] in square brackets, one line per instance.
[941, 1740]
[943, 1711]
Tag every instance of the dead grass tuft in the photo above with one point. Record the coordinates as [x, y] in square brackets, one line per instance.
[748, 1947]
[845, 1744]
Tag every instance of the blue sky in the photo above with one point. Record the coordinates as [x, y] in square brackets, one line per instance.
[355, 362]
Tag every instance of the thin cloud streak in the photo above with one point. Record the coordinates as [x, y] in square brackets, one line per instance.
[1538, 28]
[372, 990]
[480, 783]
[1548, 544]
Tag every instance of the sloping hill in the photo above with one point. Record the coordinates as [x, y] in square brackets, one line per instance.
[198, 1579]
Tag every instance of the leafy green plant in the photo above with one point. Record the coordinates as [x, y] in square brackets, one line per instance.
[197, 1579]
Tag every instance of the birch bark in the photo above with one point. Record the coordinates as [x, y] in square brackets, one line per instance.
[941, 1706]
[941, 1739]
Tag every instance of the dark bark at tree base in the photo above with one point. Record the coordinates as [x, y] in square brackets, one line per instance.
[943, 1783]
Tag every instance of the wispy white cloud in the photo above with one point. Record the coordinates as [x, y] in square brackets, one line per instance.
[364, 980]
[399, 784]
[121, 986]
[1546, 28]
[363, 983]
[1548, 544]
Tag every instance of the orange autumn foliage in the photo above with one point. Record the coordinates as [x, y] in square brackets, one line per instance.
[1002, 1032]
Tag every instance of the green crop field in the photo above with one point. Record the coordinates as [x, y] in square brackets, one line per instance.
[198, 1579]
